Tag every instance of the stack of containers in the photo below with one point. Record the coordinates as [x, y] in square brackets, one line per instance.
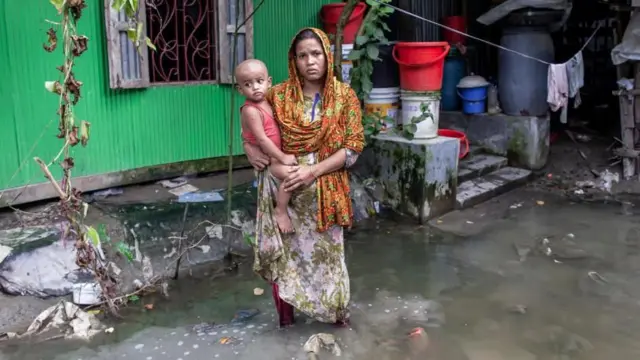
[384, 99]
[421, 71]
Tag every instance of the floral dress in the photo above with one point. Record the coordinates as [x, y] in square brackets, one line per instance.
[309, 268]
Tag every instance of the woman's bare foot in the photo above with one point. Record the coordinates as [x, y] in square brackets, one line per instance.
[284, 221]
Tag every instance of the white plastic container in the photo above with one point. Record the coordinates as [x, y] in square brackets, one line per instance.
[385, 102]
[86, 294]
[411, 103]
[347, 64]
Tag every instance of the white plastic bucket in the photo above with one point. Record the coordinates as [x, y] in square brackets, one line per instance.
[384, 102]
[347, 64]
[411, 103]
[86, 294]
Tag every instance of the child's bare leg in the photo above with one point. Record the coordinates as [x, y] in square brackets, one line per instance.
[282, 198]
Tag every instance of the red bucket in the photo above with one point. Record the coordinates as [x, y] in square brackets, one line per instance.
[458, 23]
[421, 64]
[464, 142]
[330, 15]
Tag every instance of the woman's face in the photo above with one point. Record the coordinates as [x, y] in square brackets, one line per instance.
[311, 60]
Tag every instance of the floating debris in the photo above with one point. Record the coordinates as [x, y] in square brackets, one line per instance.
[518, 309]
[198, 197]
[317, 342]
[244, 315]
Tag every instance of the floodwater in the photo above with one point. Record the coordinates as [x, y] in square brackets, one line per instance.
[558, 281]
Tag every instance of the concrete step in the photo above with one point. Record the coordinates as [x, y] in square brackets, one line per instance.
[478, 190]
[475, 150]
[479, 164]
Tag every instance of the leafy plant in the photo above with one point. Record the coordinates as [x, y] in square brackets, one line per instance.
[366, 49]
[249, 239]
[135, 32]
[409, 130]
[72, 131]
[374, 123]
[120, 247]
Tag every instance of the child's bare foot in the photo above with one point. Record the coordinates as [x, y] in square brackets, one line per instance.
[284, 221]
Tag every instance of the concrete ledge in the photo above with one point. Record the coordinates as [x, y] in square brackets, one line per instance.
[419, 177]
[44, 191]
[524, 140]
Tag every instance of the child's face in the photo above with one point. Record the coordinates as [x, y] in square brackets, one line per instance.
[253, 82]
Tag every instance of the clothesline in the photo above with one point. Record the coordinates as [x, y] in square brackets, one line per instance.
[486, 41]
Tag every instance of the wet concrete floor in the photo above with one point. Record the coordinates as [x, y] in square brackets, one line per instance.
[546, 281]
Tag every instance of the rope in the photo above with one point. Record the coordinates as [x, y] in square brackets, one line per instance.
[482, 40]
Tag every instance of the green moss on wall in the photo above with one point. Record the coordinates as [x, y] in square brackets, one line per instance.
[517, 148]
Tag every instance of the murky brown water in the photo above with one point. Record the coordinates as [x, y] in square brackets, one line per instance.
[507, 294]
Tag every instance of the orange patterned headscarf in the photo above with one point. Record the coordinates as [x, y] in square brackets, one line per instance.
[340, 127]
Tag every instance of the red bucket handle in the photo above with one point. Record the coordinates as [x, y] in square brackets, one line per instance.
[464, 152]
[356, 13]
[436, 59]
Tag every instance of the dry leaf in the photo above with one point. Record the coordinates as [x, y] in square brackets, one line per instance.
[258, 291]
[53, 41]
[79, 44]
[226, 340]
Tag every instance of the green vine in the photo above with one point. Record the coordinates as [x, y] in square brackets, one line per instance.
[374, 124]
[409, 130]
[366, 50]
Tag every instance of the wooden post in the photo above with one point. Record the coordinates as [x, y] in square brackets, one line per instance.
[627, 100]
[636, 112]
[628, 128]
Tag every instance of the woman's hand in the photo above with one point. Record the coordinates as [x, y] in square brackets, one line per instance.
[299, 177]
[257, 158]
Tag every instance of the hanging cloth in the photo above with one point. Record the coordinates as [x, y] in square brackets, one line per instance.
[575, 76]
[558, 89]
[558, 86]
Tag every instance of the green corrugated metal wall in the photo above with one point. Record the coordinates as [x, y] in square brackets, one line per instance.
[131, 128]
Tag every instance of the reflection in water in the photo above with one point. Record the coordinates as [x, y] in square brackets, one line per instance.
[553, 282]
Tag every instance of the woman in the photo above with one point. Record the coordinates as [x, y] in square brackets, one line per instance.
[320, 121]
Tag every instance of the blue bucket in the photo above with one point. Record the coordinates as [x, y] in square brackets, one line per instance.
[473, 99]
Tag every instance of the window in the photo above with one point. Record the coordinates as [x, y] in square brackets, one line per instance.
[193, 40]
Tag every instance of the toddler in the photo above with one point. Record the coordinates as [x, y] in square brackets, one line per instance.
[260, 128]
